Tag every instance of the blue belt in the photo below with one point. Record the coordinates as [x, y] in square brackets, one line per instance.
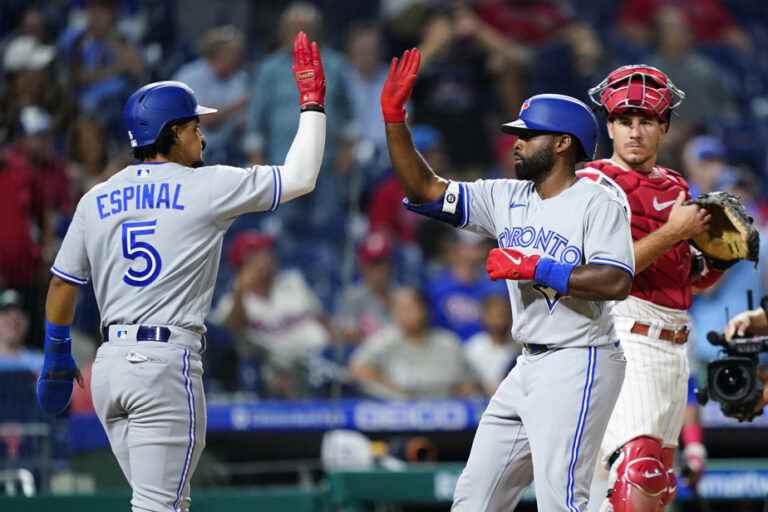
[144, 333]
[535, 348]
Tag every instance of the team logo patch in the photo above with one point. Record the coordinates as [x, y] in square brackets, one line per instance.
[305, 75]
[552, 296]
[450, 198]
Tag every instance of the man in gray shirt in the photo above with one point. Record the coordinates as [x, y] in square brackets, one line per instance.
[150, 239]
[565, 249]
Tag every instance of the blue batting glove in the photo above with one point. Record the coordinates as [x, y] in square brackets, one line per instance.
[54, 386]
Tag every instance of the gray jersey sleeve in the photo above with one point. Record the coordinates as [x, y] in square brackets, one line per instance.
[607, 237]
[481, 204]
[71, 263]
[235, 191]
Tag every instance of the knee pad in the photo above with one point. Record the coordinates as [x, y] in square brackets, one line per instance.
[640, 478]
[668, 458]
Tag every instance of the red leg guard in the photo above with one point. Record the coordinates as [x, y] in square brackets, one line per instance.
[668, 458]
[641, 477]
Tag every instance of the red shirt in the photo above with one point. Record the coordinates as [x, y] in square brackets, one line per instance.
[386, 213]
[525, 21]
[20, 210]
[708, 19]
[667, 281]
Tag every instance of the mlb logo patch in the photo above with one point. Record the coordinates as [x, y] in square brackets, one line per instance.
[142, 173]
[524, 106]
[122, 333]
[132, 139]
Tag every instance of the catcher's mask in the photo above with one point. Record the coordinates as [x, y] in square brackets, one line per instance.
[638, 87]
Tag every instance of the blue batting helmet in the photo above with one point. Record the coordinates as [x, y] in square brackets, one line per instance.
[155, 105]
[557, 113]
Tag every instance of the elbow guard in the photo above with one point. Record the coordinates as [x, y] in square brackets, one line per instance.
[452, 207]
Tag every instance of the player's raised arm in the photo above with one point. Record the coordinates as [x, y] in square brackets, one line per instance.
[304, 158]
[420, 182]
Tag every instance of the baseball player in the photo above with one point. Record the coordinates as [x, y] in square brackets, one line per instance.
[150, 239]
[652, 322]
[564, 249]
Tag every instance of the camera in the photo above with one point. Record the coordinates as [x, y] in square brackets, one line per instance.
[733, 380]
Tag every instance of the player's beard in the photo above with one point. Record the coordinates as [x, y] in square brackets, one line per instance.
[537, 166]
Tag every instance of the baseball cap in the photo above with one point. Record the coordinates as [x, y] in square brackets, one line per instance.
[9, 299]
[706, 147]
[34, 120]
[247, 243]
[25, 52]
[375, 247]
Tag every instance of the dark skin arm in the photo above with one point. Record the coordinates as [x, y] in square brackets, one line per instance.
[420, 182]
[599, 282]
[60, 307]
[423, 185]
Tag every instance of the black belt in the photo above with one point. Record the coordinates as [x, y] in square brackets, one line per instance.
[535, 348]
[144, 333]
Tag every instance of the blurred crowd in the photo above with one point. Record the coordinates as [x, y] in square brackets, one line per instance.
[344, 292]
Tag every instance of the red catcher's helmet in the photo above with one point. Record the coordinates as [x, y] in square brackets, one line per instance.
[638, 86]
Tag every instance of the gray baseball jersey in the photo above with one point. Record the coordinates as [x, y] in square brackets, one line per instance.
[150, 238]
[547, 418]
[582, 224]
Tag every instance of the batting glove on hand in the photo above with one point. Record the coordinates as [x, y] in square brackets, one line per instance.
[398, 86]
[54, 386]
[308, 73]
[511, 264]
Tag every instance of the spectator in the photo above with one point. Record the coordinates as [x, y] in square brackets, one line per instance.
[693, 73]
[457, 291]
[89, 156]
[455, 90]
[35, 149]
[364, 307]
[14, 325]
[504, 153]
[366, 75]
[710, 20]
[219, 81]
[104, 66]
[398, 222]
[317, 219]
[704, 163]
[492, 352]
[26, 232]
[411, 359]
[29, 81]
[274, 316]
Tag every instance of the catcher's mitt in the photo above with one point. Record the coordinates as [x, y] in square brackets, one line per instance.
[731, 235]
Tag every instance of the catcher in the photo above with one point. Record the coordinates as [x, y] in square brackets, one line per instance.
[637, 453]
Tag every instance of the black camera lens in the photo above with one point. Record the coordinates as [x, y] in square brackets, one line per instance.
[732, 382]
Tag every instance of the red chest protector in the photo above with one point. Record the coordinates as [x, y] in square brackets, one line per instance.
[650, 198]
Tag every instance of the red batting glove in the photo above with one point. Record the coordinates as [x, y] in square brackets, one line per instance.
[398, 86]
[511, 264]
[308, 72]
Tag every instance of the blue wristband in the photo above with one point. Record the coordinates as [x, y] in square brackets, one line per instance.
[553, 274]
[58, 340]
